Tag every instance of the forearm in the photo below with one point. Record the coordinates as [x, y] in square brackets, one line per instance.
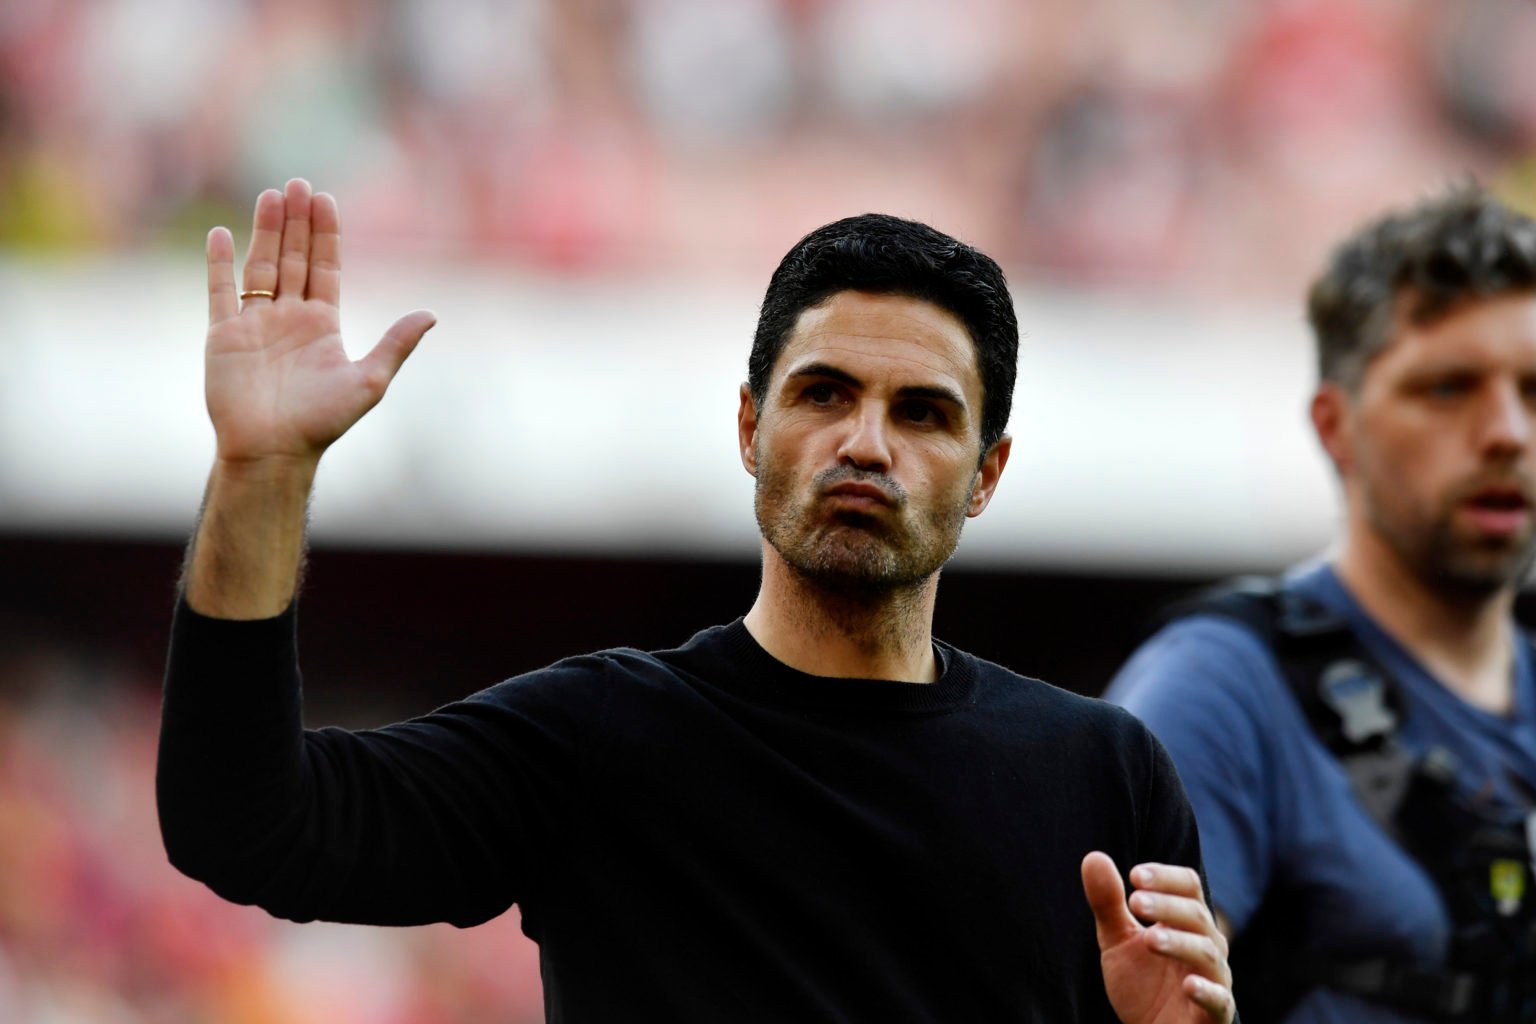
[229, 761]
[247, 553]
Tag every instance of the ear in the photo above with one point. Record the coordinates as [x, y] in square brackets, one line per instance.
[1330, 411]
[746, 430]
[988, 475]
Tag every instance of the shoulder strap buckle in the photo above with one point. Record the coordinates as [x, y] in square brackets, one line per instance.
[1358, 695]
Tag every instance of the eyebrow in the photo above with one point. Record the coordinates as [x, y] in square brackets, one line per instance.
[934, 392]
[1447, 369]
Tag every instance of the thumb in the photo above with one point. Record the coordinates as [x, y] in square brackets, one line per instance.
[1106, 897]
[384, 361]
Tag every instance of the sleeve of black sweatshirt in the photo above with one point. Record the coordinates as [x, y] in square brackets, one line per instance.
[1169, 834]
[448, 817]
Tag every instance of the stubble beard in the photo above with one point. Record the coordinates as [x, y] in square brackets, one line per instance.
[852, 554]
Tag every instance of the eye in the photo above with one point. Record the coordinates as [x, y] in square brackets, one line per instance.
[923, 414]
[821, 393]
[1448, 387]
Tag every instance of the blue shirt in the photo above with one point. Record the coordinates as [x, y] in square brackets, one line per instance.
[1275, 808]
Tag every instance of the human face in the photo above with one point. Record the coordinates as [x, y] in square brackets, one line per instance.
[1435, 448]
[867, 447]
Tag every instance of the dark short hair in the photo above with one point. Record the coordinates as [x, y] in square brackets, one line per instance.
[1423, 261]
[887, 255]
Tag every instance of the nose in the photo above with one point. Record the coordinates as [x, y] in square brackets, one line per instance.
[866, 443]
[1505, 426]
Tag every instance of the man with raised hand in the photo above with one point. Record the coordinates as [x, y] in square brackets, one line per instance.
[814, 813]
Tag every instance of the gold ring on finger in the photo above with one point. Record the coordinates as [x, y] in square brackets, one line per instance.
[257, 293]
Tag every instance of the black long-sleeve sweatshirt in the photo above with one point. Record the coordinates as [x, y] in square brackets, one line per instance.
[695, 835]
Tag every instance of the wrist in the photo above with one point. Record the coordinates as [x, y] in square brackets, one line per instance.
[281, 471]
[247, 553]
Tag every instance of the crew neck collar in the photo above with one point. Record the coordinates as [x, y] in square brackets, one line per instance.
[771, 681]
[1322, 581]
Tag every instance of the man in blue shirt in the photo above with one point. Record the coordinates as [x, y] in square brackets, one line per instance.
[1425, 323]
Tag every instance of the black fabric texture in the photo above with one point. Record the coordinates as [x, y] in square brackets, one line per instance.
[695, 835]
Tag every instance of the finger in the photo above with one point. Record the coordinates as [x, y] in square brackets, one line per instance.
[1182, 887]
[1169, 878]
[1106, 897]
[1213, 998]
[380, 365]
[223, 300]
[293, 267]
[325, 250]
[260, 273]
[1181, 912]
[1197, 952]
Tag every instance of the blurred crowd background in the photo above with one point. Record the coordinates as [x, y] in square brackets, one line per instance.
[1209, 148]
[1208, 144]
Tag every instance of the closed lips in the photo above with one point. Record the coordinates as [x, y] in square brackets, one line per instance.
[869, 491]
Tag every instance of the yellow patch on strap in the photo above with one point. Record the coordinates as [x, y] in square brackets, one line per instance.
[1506, 881]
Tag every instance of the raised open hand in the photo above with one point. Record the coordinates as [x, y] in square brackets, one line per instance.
[1171, 972]
[277, 381]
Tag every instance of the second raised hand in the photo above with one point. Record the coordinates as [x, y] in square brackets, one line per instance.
[278, 383]
[1173, 971]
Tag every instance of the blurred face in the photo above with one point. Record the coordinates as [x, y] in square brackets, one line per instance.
[1435, 449]
[866, 447]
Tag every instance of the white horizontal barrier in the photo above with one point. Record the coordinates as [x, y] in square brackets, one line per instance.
[600, 417]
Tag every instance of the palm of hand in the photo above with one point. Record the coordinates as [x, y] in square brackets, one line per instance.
[1147, 988]
[279, 382]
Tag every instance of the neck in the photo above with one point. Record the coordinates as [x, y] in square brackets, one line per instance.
[828, 631]
[1464, 640]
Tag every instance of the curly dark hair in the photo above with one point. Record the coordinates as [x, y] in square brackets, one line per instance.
[1420, 262]
[887, 255]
